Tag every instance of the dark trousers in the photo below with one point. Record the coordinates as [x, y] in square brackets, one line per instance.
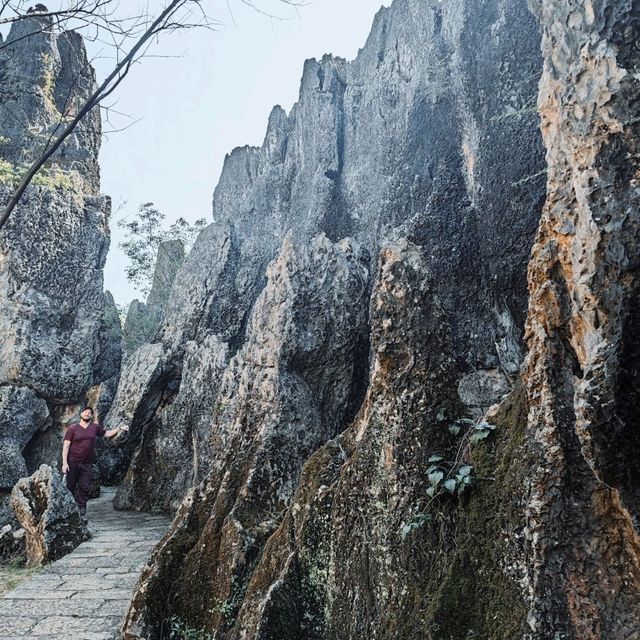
[79, 477]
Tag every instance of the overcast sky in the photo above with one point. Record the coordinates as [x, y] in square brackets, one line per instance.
[194, 109]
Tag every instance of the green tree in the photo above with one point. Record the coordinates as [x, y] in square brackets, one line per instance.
[143, 235]
[187, 233]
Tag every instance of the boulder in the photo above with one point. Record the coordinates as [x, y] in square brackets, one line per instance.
[46, 510]
[12, 543]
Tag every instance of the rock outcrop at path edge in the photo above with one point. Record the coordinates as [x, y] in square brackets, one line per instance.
[58, 335]
[47, 511]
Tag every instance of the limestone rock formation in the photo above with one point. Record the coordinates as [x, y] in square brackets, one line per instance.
[413, 138]
[48, 513]
[364, 551]
[174, 447]
[12, 543]
[143, 319]
[141, 387]
[288, 390]
[547, 543]
[420, 149]
[139, 330]
[583, 504]
[57, 338]
[22, 413]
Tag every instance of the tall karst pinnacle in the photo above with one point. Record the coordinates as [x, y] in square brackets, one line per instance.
[60, 335]
[419, 168]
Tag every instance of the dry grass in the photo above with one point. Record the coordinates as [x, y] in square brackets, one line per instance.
[13, 573]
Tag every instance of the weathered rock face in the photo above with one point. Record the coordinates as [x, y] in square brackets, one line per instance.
[141, 388]
[57, 336]
[22, 413]
[413, 138]
[291, 380]
[583, 509]
[420, 142]
[148, 367]
[143, 319]
[364, 552]
[288, 390]
[174, 446]
[12, 543]
[47, 511]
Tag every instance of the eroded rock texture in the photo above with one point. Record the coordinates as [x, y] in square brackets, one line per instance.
[286, 392]
[427, 146]
[143, 319]
[12, 543]
[57, 338]
[48, 513]
[291, 380]
[413, 138]
[583, 511]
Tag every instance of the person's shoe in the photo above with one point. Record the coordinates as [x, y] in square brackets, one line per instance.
[83, 514]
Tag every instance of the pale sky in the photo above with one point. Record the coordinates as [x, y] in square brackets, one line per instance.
[194, 109]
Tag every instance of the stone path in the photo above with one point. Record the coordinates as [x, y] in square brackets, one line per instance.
[84, 595]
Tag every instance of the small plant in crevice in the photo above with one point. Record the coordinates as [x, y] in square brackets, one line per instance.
[480, 431]
[450, 477]
[447, 476]
[180, 630]
[226, 609]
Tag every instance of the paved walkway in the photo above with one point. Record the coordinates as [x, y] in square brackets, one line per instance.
[84, 595]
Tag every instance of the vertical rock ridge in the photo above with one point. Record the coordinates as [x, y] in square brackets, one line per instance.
[59, 336]
[283, 394]
[583, 506]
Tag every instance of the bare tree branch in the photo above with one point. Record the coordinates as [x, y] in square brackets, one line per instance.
[129, 38]
[165, 21]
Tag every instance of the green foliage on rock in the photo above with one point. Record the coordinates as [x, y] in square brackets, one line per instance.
[50, 178]
[475, 590]
[179, 630]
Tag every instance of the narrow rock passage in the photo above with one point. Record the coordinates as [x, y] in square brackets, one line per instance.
[85, 594]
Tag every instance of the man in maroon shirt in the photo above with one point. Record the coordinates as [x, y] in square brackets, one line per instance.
[78, 454]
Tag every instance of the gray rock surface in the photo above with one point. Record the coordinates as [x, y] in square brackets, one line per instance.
[284, 393]
[174, 449]
[141, 389]
[22, 413]
[12, 543]
[269, 390]
[48, 513]
[44, 77]
[143, 319]
[338, 567]
[430, 133]
[58, 336]
[109, 347]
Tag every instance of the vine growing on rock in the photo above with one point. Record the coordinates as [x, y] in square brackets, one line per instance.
[450, 478]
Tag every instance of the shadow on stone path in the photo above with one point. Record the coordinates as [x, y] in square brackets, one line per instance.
[84, 595]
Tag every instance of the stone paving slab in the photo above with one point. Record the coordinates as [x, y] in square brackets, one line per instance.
[84, 595]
